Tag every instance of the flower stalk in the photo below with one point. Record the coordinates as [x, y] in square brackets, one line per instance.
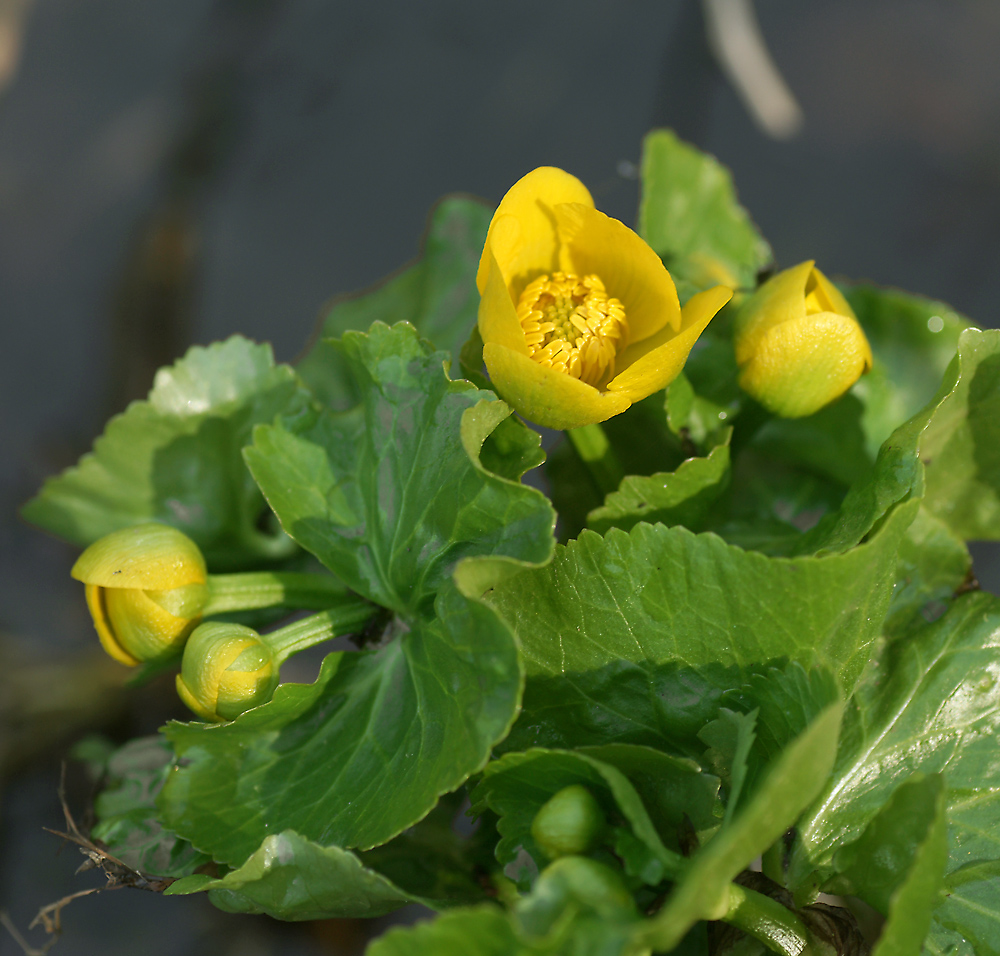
[261, 589]
[592, 445]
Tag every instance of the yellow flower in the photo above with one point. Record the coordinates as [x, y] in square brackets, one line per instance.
[798, 343]
[578, 315]
[226, 670]
[146, 588]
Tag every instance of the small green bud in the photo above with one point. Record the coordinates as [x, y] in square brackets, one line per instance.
[592, 883]
[146, 587]
[571, 822]
[226, 670]
[798, 343]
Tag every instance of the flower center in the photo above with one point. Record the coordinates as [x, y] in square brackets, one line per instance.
[570, 324]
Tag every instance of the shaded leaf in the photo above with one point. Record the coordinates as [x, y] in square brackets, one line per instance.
[517, 786]
[686, 496]
[789, 785]
[897, 863]
[126, 812]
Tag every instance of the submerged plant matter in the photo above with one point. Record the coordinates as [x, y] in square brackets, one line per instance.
[756, 637]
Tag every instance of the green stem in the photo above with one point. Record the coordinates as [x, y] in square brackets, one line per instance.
[593, 447]
[771, 862]
[347, 618]
[257, 589]
[776, 926]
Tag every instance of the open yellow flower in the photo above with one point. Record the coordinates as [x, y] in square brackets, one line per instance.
[578, 315]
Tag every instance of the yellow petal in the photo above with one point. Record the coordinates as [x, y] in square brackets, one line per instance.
[141, 627]
[498, 322]
[99, 613]
[780, 299]
[153, 556]
[628, 267]
[802, 365]
[535, 248]
[653, 364]
[547, 397]
[833, 295]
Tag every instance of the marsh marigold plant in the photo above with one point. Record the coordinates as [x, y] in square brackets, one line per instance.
[756, 669]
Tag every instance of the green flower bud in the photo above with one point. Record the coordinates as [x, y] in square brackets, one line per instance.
[146, 587]
[798, 343]
[226, 670]
[591, 883]
[569, 823]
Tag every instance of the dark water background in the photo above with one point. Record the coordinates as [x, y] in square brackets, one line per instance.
[251, 158]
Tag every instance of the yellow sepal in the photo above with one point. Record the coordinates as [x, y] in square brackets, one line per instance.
[523, 235]
[798, 343]
[226, 670]
[99, 614]
[142, 627]
[147, 556]
[596, 243]
[656, 362]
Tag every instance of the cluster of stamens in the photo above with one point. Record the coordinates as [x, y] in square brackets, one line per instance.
[570, 324]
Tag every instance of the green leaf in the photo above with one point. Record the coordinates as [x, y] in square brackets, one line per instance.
[689, 214]
[440, 858]
[686, 496]
[392, 495]
[791, 783]
[967, 922]
[437, 294]
[913, 339]
[933, 564]
[579, 906]
[947, 452]
[897, 863]
[911, 905]
[730, 737]
[510, 447]
[292, 878]
[517, 785]
[929, 704]
[635, 637]
[126, 812]
[477, 931]
[383, 735]
[177, 458]
[674, 790]
[829, 443]
[961, 445]
[689, 414]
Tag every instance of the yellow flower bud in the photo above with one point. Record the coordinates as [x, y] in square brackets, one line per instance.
[146, 588]
[798, 343]
[226, 670]
[578, 315]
